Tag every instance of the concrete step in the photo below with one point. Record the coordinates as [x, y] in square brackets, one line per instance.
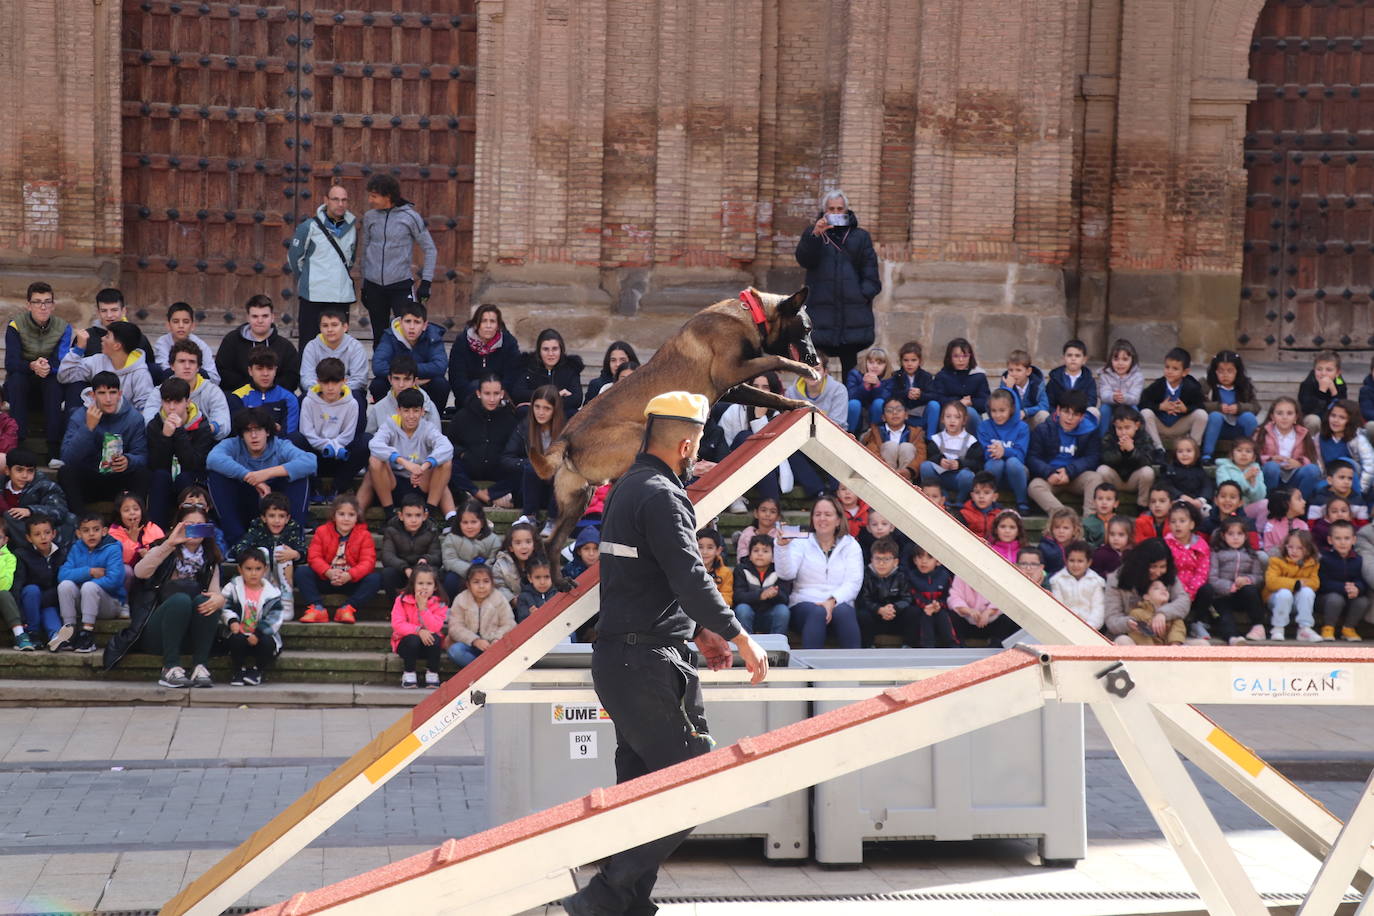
[292, 666]
[102, 691]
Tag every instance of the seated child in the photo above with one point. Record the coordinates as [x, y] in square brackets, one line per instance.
[1290, 587]
[976, 617]
[1074, 375]
[512, 564]
[38, 562]
[1340, 440]
[1063, 528]
[536, 591]
[1107, 558]
[1242, 468]
[93, 578]
[1154, 521]
[469, 540]
[481, 615]
[400, 377]
[953, 456]
[1236, 576]
[1340, 483]
[911, 384]
[417, 626]
[263, 391]
[410, 455]
[760, 593]
[1128, 455]
[1285, 511]
[330, 427]
[253, 613]
[1172, 405]
[412, 335]
[710, 544]
[282, 540]
[1105, 503]
[1287, 451]
[1186, 477]
[1145, 604]
[133, 532]
[1227, 506]
[1336, 509]
[1005, 439]
[342, 560]
[1232, 405]
[9, 607]
[408, 539]
[930, 584]
[1322, 387]
[1008, 534]
[1193, 562]
[334, 342]
[855, 509]
[1342, 593]
[878, 527]
[884, 601]
[1120, 383]
[982, 507]
[893, 440]
[181, 326]
[586, 553]
[1026, 384]
[180, 439]
[868, 390]
[958, 381]
[1065, 453]
[1078, 588]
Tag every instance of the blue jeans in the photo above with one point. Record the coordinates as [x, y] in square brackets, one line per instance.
[934, 412]
[311, 587]
[237, 503]
[856, 407]
[1012, 473]
[1305, 478]
[774, 619]
[38, 619]
[808, 619]
[20, 386]
[463, 654]
[957, 482]
[1218, 428]
[1284, 602]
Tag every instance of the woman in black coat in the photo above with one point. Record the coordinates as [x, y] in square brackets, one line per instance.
[842, 275]
[550, 364]
[484, 345]
[619, 353]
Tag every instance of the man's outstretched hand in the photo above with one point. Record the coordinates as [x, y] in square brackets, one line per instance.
[714, 649]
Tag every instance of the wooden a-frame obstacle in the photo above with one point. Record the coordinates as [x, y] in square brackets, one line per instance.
[1190, 732]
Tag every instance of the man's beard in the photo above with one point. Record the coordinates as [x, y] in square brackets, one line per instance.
[687, 470]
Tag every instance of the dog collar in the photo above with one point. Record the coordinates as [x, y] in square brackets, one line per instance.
[755, 306]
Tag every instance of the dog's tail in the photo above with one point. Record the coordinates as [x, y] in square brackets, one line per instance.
[545, 463]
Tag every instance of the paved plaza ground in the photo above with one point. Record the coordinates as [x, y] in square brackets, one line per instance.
[115, 808]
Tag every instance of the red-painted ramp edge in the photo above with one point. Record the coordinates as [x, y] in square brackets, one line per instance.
[600, 800]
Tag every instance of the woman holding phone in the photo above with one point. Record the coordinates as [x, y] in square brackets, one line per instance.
[176, 608]
[826, 569]
[842, 274]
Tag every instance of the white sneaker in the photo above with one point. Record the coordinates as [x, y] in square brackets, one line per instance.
[1307, 634]
[200, 677]
[1276, 634]
[1256, 633]
[1198, 630]
[431, 679]
[738, 507]
[408, 680]
[56, 464]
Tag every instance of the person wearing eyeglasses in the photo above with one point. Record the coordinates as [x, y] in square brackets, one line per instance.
[320, 258]
[35, 343]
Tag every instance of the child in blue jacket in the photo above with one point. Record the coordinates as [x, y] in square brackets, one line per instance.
[868, 390]
[1005, 438]
[1074, 375]
[959, 380]
[92, 576]
[413, 335]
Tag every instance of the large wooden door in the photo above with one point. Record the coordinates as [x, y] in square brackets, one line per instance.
[1309, 150]
[236, 119]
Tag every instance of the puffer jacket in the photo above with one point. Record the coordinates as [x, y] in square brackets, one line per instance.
[1229, 564]
[466, 366]
[44, 499]
[360, 554]
[460, 552]
[401, 549]
[1193, 560]
[565, 376]
[407, 618]
[431, 359]
[842, 275]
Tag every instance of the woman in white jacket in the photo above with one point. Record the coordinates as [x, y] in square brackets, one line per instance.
[826, 569]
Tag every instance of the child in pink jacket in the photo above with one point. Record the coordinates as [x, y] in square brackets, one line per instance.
[417, 625]
[1193, 559]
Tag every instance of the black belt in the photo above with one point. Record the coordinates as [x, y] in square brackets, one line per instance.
[644, 639]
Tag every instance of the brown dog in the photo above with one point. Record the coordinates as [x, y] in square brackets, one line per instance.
[715, 353]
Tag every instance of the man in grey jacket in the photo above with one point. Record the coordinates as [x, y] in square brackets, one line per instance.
[321, 256]
[391, 230]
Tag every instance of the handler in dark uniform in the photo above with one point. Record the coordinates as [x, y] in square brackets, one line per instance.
[655, 596]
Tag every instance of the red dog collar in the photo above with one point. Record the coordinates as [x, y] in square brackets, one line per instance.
[755, 306]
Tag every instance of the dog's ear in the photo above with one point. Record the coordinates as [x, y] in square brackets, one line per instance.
[793, 303]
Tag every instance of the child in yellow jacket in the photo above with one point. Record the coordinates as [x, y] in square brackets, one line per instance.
[1290, 587]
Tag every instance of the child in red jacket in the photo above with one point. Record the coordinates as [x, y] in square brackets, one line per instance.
[982, 508]
[342, 560]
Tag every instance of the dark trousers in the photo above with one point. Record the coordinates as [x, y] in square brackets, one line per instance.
[262, 653]
[809, 476]
[905, 625]
[81, 484]
[1201, 609]
[394, 579]
[808, 619]
[162, 489]
[411, 650]
[937, 630]
[308, 319]
[22, 385]
[237, 503]
[313, 587]
[462, 477]
[847, 354]
[383, 303]
[1336, 610]
[995, 632]
[176, 628]
[654, 698]
[1244, 603]
[536, 494]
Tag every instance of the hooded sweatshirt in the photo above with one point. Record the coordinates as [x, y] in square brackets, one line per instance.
[426, 443]
[428, 351]
[107, 555]
[350, 352]
[381, 410]
[1033, 399]
[231, 458]
[81, 446]
[828, 394]
[329, 425]
[213, 405]
[234, 350]
[1014, 437]
[162, 356]
[282, 404]
[1052, 448]
[135, 378]
[389, 238]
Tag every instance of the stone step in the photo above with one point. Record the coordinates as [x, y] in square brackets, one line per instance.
[29, 692]
[292, 666]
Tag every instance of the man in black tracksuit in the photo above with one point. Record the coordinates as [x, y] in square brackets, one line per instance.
[655, 596]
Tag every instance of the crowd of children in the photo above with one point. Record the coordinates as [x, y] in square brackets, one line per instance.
[1250, 517]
